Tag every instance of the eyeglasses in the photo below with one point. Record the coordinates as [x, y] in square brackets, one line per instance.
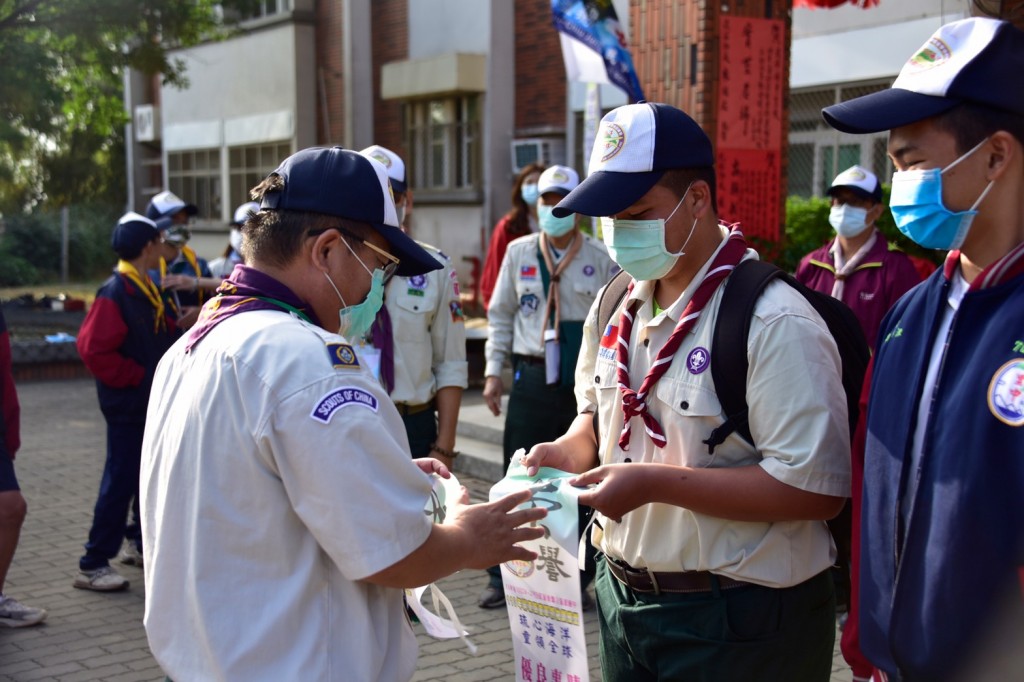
[392, 261]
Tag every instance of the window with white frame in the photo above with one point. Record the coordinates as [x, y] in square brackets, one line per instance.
[249, 165]
[195, 176]
[443, 139]
[818, 153]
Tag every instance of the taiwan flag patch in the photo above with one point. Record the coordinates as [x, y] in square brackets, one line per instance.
[528, 272]
[609, 342]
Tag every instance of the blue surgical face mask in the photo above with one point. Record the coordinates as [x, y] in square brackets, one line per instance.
[354, 321]
[848, 221]
[529, 193]
[917, 208]
[554, 227]
[638, 246]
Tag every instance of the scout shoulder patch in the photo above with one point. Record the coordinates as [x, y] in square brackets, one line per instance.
[342, 356]
[1006, 393]
[346, 396]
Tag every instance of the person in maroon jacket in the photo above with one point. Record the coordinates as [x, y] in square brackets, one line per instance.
[859, 267]
[125, 333]
[13, 614]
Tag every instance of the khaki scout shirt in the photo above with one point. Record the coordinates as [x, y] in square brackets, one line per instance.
[429, 332]
[798, 419]
[515, 318]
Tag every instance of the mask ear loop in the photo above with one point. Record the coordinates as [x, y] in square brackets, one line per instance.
[682, 249]
[973, 149]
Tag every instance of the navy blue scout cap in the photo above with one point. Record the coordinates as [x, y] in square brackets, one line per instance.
[344, 183]
[132, 232]
[974, 60]
[635, 145]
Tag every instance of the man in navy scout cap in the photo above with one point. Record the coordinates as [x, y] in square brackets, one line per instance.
[281, 507]
[716, 563]
[942, 527]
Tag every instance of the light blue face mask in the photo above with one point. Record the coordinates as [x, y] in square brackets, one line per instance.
[917, 208]
[529, 193]
[554, 227]
[354, 321]
[638, 246]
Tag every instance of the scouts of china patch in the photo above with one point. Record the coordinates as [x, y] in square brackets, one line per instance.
[345, 396]
[1006, 393]
[342, 356]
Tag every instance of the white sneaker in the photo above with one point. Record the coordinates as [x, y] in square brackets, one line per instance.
[130, 554]
[14, 614]
[104, 579]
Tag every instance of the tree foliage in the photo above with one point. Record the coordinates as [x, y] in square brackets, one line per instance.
[62, 114]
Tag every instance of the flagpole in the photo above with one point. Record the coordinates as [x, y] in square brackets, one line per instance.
[591, 119]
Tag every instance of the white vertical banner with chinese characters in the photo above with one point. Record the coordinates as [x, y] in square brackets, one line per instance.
[543, 596]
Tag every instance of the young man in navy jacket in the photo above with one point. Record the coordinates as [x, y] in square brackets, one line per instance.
[942, 526]
[126, 332]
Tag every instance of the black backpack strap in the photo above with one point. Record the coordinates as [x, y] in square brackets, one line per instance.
[729, 362]
[607, 303]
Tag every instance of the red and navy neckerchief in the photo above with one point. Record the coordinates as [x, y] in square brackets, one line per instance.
[1003, 270]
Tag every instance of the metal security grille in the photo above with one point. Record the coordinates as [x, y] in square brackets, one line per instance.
[817, 153]
[195, 176]
[443, 139]
[248, 166]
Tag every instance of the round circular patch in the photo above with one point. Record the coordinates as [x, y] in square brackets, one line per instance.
[1006, 393]
[346, 355]
[934, 53]
[613, 138]
[382, 157]
[522, 569]
[588, 270]
[698, 360]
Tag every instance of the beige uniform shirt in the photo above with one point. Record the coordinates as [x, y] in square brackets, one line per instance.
[515, 318]
[429, 333]
[797, 416]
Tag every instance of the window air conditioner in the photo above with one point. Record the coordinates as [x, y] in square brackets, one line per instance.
[543, 150]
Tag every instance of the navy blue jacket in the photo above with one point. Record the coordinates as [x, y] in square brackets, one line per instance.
[929, 590]
[118, 344]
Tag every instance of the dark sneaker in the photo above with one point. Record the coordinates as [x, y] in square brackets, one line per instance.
[491, 598]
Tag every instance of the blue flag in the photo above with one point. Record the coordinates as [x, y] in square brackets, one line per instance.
[594, 25]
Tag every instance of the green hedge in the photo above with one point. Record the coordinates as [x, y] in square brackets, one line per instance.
[30, 245]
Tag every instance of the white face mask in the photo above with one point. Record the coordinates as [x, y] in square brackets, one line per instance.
[848, 221]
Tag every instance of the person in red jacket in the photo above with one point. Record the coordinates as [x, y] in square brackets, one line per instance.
[125, 333]
[13, 614]
[519, 221]
[859, 267]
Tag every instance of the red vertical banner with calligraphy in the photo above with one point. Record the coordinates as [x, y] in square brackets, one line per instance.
[750, 135]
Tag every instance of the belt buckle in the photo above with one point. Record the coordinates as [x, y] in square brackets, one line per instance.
[654, 582]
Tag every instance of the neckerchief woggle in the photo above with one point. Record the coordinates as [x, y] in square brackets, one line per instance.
[543, 596]
[244, 290]
[144, 284]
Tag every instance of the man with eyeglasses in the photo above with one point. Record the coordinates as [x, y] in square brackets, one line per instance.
[281, 507]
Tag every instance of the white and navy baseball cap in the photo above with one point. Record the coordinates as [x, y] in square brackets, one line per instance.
[132, 232]
[559, 179]
[344, 183]
[391, 161]
[975, 60]
[635, 145]
[860, 181]
[243, 212]
[167, 205]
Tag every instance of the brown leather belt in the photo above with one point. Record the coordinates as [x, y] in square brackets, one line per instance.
[405, 409]
[642, 580]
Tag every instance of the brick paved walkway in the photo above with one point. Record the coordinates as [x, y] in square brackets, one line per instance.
[91, 636]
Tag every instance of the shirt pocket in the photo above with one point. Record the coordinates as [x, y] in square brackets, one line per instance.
[413, 313]
[695, 411]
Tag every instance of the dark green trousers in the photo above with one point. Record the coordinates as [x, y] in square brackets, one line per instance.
[421, 428]
[745, 633]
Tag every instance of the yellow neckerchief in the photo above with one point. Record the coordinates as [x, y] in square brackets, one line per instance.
[148, 288]
[190, 256]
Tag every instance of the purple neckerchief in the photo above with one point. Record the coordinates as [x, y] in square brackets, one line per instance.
[383, 338]
[246, 289]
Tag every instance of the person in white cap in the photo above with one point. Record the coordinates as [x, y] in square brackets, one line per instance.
[941, 555]
[420, 335]
[716, 559]
[180, 271]
[282, 512]
[546, 285]
[221, 267]
[859, 267]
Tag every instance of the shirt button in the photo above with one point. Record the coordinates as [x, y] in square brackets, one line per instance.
[684, 405]
[647, 342]
[597, 380]
[627, 460]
